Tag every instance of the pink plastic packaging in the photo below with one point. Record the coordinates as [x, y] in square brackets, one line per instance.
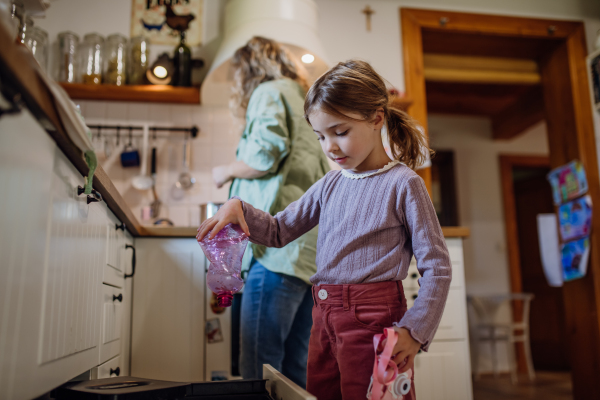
[225, 253]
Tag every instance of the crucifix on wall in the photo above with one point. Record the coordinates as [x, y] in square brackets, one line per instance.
[368, 11]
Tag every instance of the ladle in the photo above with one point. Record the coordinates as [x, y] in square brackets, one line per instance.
[143, 181]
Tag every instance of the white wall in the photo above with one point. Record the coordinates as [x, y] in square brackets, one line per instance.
[343, 31]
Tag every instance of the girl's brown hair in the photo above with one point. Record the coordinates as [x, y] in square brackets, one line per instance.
[354, 86]
[261, 60]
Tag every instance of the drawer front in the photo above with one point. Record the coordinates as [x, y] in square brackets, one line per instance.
[110, 369]
[113, 277]
[453, 322]
[110, 336]
[116, 244]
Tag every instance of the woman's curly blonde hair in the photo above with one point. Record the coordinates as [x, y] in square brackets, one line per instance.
[261, 60]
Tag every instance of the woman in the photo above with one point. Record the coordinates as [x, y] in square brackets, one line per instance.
[278, 159]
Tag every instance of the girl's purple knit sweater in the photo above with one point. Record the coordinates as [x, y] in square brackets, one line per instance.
[369, 229]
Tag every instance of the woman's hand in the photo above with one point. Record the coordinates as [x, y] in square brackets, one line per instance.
[221, 175]
[231, 212]
[406, 349]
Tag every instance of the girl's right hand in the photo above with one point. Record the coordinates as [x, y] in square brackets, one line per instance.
[231, 212]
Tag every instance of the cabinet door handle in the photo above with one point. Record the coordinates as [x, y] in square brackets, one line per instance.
[128, 246]
[91, 198]
[414, 275]
[121, 227]
[414, 296]
[118, 298]
[116, 371]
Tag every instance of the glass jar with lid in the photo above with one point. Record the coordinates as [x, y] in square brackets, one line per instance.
[37, 41]
[90, 59]
[67, 51]
[139, 55]
[115, 60]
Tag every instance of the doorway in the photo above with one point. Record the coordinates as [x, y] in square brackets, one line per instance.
[517, 71]
[526, 194]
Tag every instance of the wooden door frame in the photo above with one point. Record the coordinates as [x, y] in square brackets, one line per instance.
[507, 163]
[570, 128]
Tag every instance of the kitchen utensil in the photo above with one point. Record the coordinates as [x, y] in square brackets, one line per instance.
[143, 181]
[130, 157]
[186, 180]
[155, 205]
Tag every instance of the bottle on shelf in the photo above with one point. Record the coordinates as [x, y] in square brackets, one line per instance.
[182, 63]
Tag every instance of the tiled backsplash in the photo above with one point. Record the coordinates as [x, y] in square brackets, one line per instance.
[214, 145]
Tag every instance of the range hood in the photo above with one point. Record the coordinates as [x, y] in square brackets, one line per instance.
[293, 23]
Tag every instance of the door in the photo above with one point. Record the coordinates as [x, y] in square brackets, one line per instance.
[533, 196]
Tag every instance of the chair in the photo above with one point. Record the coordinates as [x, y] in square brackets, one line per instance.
[486, 329]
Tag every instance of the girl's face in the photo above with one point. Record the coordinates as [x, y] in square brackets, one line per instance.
[352, 144]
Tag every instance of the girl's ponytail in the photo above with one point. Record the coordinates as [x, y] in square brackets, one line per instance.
[408, 143]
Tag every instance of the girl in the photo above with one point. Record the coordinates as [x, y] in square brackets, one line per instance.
[373, 215]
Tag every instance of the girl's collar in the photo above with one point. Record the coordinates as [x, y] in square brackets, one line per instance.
[353, 175]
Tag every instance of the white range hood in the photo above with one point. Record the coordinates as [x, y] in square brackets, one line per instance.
[290, 22]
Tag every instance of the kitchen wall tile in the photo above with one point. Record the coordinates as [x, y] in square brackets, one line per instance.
[138, 112]
[181, 115]
[95, 110]
[117, 110]
[203, 118]
[220, 195]
[222, 154]
[180, 215]
[160, 114]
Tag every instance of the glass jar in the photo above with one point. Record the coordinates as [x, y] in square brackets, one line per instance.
[115, 60]
[25, 29]
[37, 41]
[138, 60]
[67, 51]
[90, 59]
[17, 13]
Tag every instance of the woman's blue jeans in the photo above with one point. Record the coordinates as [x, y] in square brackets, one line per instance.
[276, 319]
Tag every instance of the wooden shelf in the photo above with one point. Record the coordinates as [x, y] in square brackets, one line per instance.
[141, 93]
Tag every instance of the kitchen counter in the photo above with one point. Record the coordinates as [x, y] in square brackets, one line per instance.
[14, 60]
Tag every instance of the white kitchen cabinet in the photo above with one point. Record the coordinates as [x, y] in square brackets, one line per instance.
[444, 372]
[54, 249]
[110, 369]
[168, 310]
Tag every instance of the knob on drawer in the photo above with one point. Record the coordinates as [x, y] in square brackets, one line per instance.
[414, 296]
[414, 275]
[116, 371]
[118, 298]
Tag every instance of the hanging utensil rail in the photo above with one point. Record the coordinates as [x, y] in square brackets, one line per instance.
[193, 131]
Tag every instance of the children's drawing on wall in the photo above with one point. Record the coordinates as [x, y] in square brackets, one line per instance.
[162, 20]
[575, 218]
[568, 182]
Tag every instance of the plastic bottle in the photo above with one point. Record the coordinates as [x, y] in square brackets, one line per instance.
[225, 252]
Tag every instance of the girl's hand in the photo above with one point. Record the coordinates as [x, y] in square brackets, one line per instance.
[221, 175]
[406, 349]
[231, 212]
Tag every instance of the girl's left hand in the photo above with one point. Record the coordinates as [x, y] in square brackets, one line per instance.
[406, 349]
[221, 175]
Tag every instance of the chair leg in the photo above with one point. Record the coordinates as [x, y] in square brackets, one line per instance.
[512, 363]
[530, 369]
[493, 354]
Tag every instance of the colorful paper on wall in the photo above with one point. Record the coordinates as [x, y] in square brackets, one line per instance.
[568, 182]
[574, 257]
[575, 218]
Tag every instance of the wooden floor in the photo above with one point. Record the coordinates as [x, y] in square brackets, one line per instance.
[547, 386]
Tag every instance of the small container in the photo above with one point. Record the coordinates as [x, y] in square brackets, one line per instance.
[16, 12]
[90, 59]
[37, 41]
[138, 60]
[115, 60]
[67, 52]
[25, 29]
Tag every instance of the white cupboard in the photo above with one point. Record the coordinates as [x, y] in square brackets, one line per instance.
[444, 371]
[58, 318]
